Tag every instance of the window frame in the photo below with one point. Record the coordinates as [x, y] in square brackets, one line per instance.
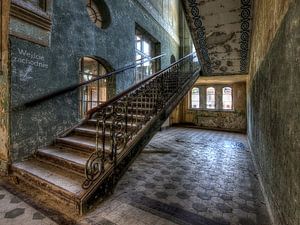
[203, 98]
[191, 101]
[231, 98]
[215, 99]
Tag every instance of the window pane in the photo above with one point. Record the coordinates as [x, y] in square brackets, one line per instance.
[146, 49]
[210, 98]
[227, 98]
[138, 57]
[195, 99]
[139, 45]
[143, 51]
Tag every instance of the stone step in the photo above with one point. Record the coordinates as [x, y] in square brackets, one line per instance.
[51, 180]
[86, 144]
[64, 158]
[90, 131]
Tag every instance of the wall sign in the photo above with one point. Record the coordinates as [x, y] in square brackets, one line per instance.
[30, 58]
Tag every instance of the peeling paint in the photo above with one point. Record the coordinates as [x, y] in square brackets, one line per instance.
[218, 38]
[223, 22]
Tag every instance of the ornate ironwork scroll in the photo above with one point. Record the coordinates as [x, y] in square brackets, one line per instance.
[201, 37]
[95, 164]
[245, 33]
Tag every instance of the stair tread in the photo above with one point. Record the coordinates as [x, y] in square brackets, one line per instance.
[68, 182]
[90, 129]
[82, 141]
[65, 154]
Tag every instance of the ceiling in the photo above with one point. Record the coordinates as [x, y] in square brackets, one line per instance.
[228, 79]
[221, 33]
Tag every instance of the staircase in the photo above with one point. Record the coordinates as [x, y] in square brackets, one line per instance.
[84, 164]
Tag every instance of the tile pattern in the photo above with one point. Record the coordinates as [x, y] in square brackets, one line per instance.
[14, 211]
[191, 176]
[183, 176]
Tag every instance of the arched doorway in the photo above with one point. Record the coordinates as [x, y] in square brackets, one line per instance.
[96, 92]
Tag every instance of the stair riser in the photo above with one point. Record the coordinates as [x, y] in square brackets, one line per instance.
[61, 163]
[76, 146]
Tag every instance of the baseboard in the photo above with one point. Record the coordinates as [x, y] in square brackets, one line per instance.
[262, 187]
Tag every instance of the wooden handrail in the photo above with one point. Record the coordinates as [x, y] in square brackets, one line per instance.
[75, 86]
[122, 94]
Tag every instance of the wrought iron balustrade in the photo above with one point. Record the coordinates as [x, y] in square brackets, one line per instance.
[122, 118]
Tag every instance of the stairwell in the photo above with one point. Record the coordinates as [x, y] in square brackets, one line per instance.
[84, 164]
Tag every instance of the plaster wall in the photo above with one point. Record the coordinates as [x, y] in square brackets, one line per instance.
[73, 36]
[231, 120]
[274, 105]
[268, 15]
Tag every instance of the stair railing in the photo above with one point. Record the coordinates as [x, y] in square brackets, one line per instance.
[129, 72]
[99, 90]
[121, 119]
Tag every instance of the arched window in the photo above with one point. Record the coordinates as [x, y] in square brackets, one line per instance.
[195, 98]
[98, 13]
[95, 93]
[210, 98]
[227, 98]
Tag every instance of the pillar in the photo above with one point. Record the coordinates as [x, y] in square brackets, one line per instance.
[4, 86]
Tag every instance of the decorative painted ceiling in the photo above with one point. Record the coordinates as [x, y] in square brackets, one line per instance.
[221, 32]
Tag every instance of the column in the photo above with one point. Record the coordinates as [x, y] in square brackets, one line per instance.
[4, 86]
